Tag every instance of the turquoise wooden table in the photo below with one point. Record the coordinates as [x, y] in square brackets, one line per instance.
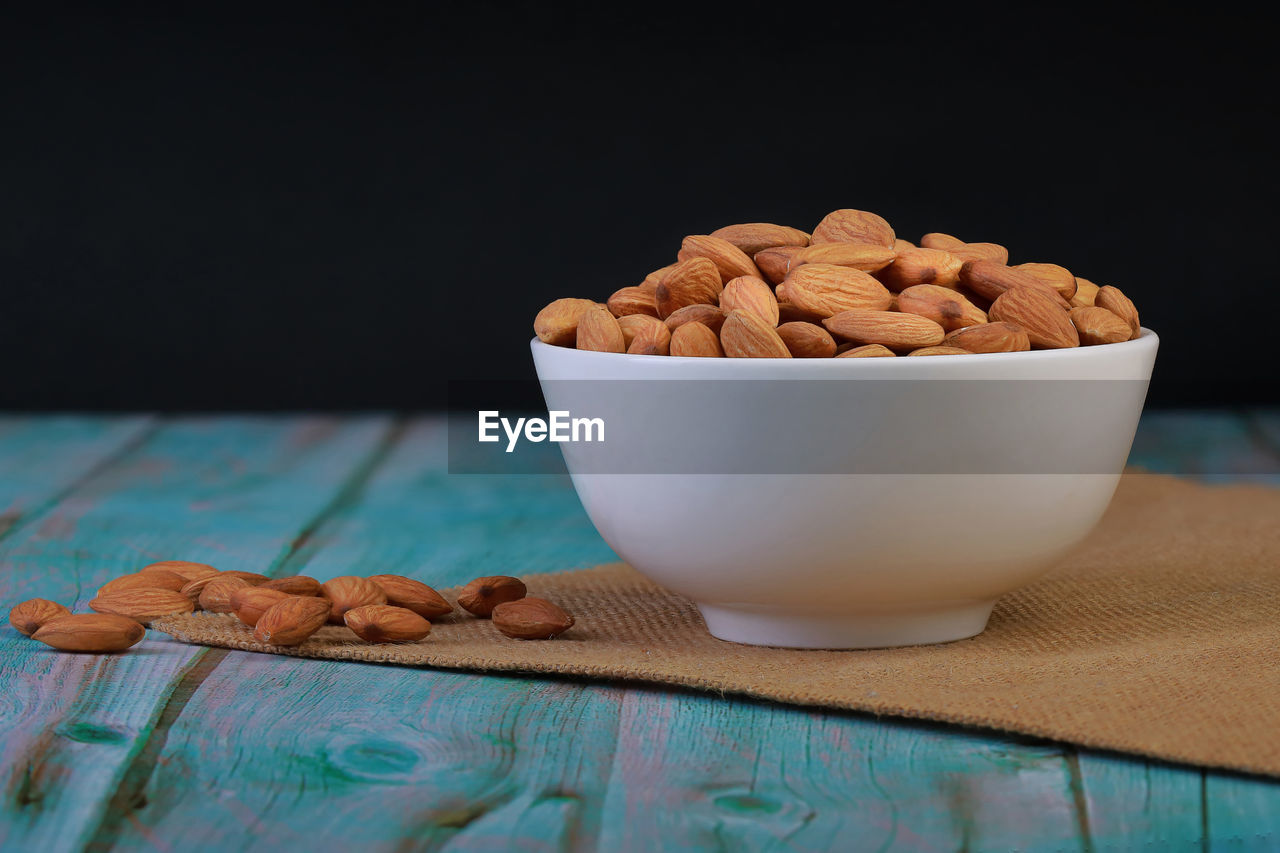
[175, 747]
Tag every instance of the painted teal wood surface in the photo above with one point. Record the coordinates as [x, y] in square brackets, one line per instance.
[172, 747]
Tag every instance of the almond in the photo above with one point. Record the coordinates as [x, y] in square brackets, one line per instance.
[634, 300]
[900, 245]
[1038, 312]
[893, 330]
[692, 282]
[754, 237]
[853, 226]
[216, 594]
[291, 621]
[694, 340]
[1122, 306]
[981, 252]
[867, 257]
[598, 331]
[989, 337]
[1097, 325]
[250, 602]
[938, 240]
[349, 592]
[711, 316]
[30, 615]
[807, 340]
[184, 569]
[942, 305]
[413, 594]
[1086, 292]
[251, 578]
[939, 350]
[557, 324]
[143, 580]
[483, 594]
[1051, 275]
[728, 258]
[383, 623]
[142, 605]
[751, 294]
[531, 619]
[193, 589]
[90, 632]
[868, 351]
[774, 264]
[745, 335]
[921, 266]
[645, 335]
[294, 585]
[791, 313]
[653, 279]
[827, 289]
[989, 279]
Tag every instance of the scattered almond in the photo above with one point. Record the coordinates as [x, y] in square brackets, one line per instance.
[215, 597]
[981, 252]
[755, 237]
[413, 594]
[183, 568]
[531, 619]
[142, 605]
[349, 592]
[853, 226]
[90, 632]
[250, 602]
[383, 623]
[30, 615]
[694, 340]
[938, 240]
[158, 579]
[291, 621]
[251, 578]
[747, 336]
[483, 594]
[294, 585]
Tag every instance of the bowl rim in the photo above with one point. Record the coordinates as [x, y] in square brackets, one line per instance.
[1146, 339]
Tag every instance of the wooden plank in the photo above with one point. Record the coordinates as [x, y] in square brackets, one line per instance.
[233, 492]
[1242, 813]
[42, 457]
[371, 757]
[1135, 803]
[1215, 446]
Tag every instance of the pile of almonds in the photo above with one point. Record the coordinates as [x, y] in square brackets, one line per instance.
[851, 289]
[282, 611]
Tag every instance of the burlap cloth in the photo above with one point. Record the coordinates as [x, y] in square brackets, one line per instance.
[1159, 636]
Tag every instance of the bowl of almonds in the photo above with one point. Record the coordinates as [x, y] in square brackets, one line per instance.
[842, 439]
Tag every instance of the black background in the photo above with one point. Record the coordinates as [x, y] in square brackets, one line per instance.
[344, 206]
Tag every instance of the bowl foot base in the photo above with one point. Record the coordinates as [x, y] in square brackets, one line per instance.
[877, 630]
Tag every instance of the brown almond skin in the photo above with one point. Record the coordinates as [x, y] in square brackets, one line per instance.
[1086, 292]
[251, 578]
[194, 588]
[921, 266]
[1112, 299]
[745, 335]
[791, 313]
[349, 592]
[557, 323]
[694, 340]
[216, 595]
[989, 337]
[294, 585]
[483, 594]
[648, 338]
[827, 289]
[853, 226]
[531, 619]
[990, 279]
[889, 328]
[981, 252]
[1051, 275]
[143, 580]
[1097, 325]
[650, 282]
[711, 316]
[292, 621]
[755, 237]
[28, 616]
[807, 340]
[384, 623]
[938, 240]
[868, 351]
[142, 605]
[598, 331]
[90, 632]
[252, 601]
[868, 257]
[695, 281]
[183, 568]
[633, 300]
[731, 261]
[944, 306]
[774, 264]
[939, 350]
[1039, 312]
[748, 293]
[413, 594]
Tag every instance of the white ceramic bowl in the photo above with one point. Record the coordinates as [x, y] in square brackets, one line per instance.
[869, 556]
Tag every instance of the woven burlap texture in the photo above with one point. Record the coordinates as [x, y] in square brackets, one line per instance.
[1159, 636]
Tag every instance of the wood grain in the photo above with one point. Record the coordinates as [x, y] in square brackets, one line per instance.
[235, 493]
